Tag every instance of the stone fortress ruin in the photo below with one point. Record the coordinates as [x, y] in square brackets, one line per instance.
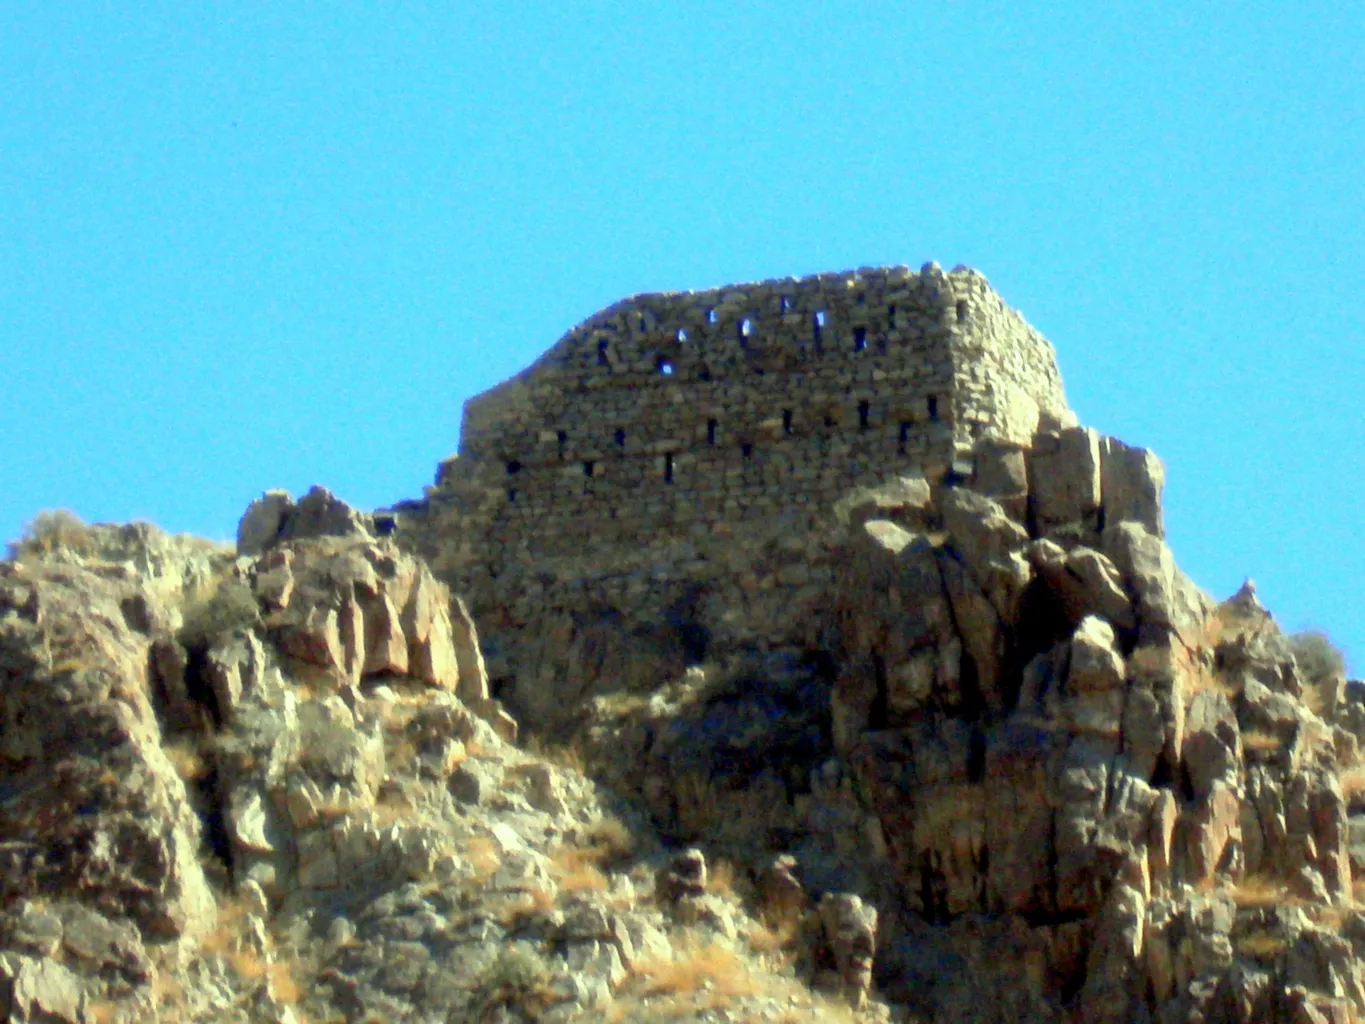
[647, 461]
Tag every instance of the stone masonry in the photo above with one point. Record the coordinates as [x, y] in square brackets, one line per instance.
[667, 438]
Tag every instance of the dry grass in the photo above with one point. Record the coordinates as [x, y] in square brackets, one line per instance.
[534, 903]
[1353, 782]
[576, 869]
[1259, 742]
[720, 878]
[768, 938]
[484, 856]
[564, 755]
[697, 978]
[582, 866]
[187, 761]
[1260, 891]
[52, 529]
[1260, 944]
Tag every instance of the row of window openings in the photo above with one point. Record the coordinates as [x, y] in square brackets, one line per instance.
[745, 331]
[746, 448]
[786, 307]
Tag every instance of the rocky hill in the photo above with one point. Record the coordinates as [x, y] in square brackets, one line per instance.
[999, 761]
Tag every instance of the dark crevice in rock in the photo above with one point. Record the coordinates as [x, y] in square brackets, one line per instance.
[206, 798]
[198, 688]
[878, 715]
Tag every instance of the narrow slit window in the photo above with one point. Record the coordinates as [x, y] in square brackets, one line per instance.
[746, 328]
[864, 409]
[933, 407]
[682, 335]
[891, 315]
[588, 467]
[643, 326]
[668, 468]
[711, 315]
[511, 495]
[904, 436]
[620, 437]
[818, 326]
[859, 339]
[711, 431]
[962, 311]
[563, 439]
[746, 449]
[786, 303]
[602, 352]
[786, 421]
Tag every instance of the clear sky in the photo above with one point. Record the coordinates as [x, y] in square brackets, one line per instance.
[257, 245]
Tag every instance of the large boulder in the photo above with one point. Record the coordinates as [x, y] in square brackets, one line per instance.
[96, 812]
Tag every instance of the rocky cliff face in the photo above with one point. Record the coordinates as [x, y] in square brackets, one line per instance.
[1008, 764]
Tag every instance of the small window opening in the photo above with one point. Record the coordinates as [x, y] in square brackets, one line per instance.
[933, 407]
[863, 410]
[665, 366]
[513, 467]
[861, 298]
[643, 326]
[818, 325]
[587, 467]
[703, 374]
[511, 495]
[682, 334]
[746, 328]
[962, 311]
[563, 439]
[891, 315]
[620, 436]
[829, 420]
[859, 339]
[711, 315]
[602, 352]
[786, 303]
[711, 431]
[668, 468]
[786, 421]
[746, 449]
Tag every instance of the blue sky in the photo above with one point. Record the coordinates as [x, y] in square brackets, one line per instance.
[257, 245]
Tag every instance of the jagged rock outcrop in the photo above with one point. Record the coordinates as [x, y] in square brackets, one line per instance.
[962, 744]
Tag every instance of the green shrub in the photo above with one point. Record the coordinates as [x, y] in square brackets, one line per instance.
[225, 608]
[1318, 659]
[519, 978]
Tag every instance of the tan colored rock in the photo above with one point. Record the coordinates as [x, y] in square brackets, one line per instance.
[40, 991]
[1166, 598]
[850, 929]
[232, 669]
[1095, 681]
[1131, 481]
[1065, 480]
[261, 523]
[1001, 474]
[1084, 581]
[386, 647]
[72, 664]
[320, 514]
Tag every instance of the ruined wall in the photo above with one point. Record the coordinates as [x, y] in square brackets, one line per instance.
[672, 437]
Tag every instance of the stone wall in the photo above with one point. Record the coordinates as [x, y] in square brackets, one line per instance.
[672, 437]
